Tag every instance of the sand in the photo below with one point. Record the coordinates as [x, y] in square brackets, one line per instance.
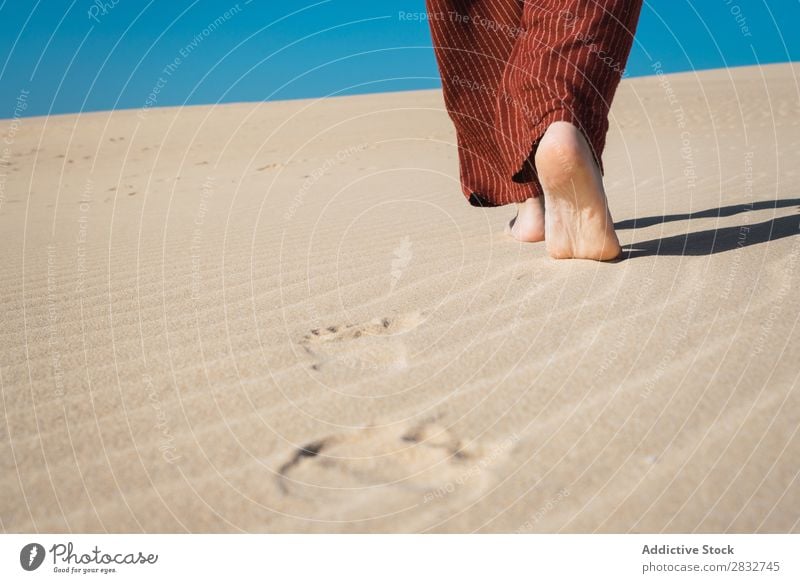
[283, 317]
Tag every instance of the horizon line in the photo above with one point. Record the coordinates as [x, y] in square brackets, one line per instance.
[348, 92]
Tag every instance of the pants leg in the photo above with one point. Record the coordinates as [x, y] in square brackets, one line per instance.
[510, 68]
[473, 40]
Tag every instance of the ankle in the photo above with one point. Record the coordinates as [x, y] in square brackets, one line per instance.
[561, 150]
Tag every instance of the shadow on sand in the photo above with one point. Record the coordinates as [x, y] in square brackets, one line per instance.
[714, 240]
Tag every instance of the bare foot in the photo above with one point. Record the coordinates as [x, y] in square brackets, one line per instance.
[528, 225]
[577, 221]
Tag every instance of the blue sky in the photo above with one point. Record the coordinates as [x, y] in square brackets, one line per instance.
[87, 55]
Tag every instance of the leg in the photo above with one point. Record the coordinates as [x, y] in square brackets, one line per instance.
[472, 40]
[560, 80]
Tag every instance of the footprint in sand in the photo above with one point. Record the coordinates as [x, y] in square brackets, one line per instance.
[373, 345]
[422, 468]
[378, 327]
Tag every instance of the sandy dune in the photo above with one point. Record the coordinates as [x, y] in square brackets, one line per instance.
[284, 317]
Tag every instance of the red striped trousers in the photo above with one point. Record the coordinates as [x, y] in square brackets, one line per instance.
[510, 68]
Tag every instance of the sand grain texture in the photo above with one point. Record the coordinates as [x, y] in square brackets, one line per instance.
[284, 317]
